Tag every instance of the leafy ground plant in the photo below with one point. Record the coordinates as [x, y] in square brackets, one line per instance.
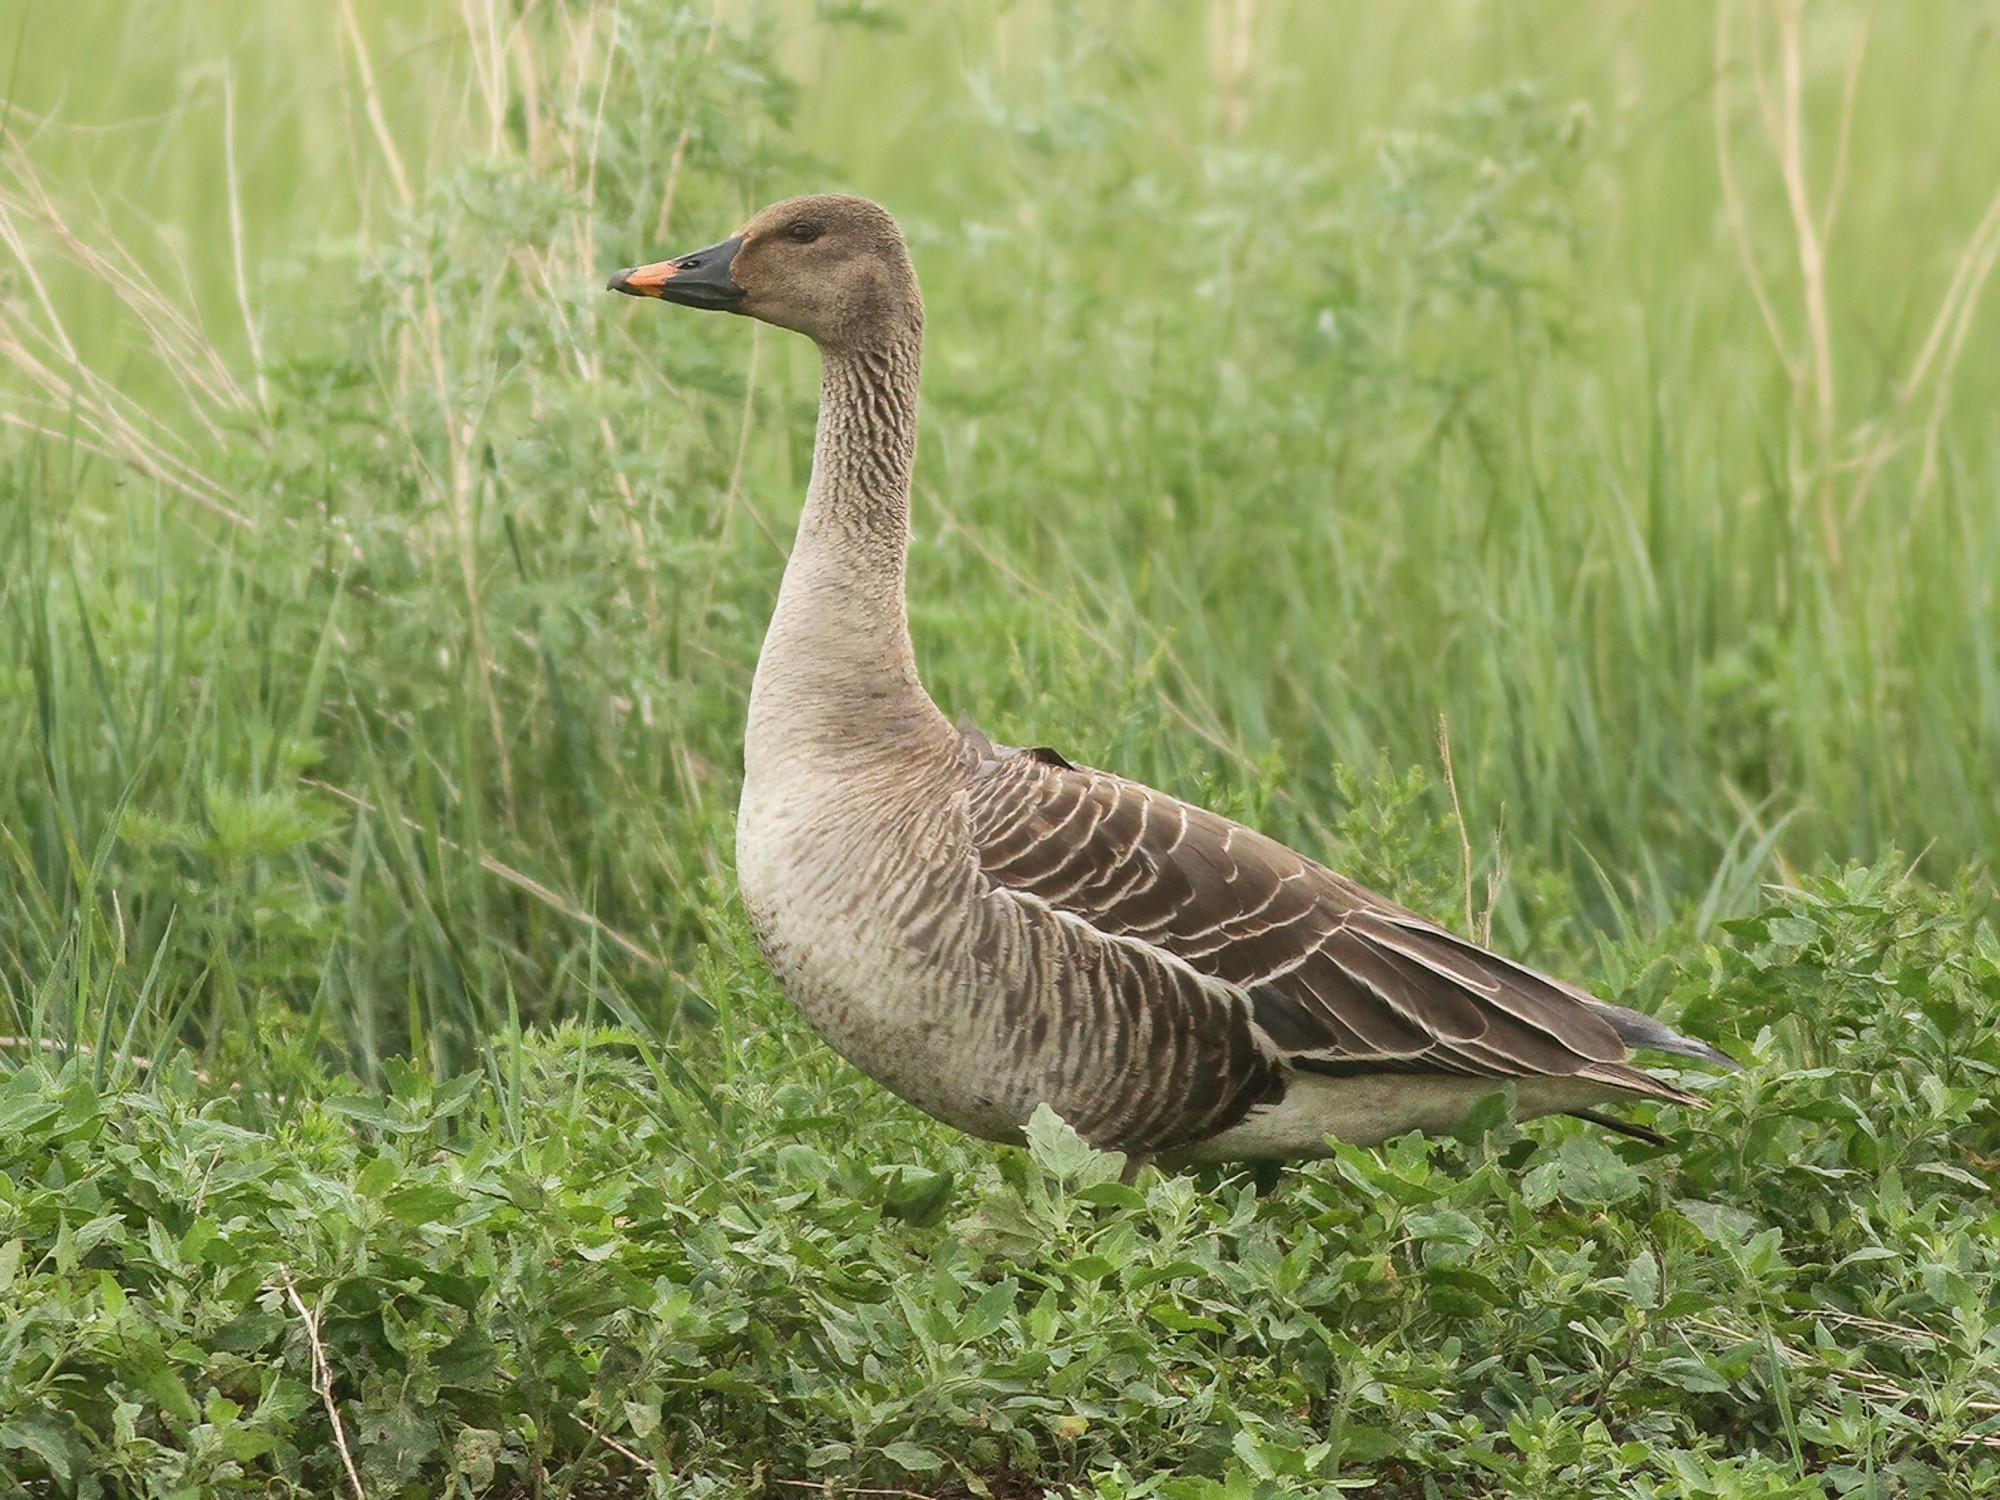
[1582, 406]
[613, 1265]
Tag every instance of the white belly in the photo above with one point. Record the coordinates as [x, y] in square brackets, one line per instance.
[1370, 1110]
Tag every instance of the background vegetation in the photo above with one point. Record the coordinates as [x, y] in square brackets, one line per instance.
[391, 1100]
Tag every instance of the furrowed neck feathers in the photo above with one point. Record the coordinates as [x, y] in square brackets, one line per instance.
[837, 671]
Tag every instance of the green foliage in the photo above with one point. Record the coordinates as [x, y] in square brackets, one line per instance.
[377, 606]
[693, 1267]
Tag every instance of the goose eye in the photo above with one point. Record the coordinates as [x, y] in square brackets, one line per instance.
[803, 232]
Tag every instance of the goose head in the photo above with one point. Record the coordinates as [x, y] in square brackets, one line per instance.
[829, 266]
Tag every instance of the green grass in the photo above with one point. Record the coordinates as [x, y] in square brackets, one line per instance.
[377, 606]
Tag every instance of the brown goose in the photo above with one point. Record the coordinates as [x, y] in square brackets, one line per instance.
[983, 929]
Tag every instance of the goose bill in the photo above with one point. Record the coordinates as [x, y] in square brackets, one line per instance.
[698, 280]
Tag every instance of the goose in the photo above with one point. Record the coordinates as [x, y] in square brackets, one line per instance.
[984, 930]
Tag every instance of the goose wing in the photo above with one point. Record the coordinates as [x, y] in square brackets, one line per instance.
[1336, 979]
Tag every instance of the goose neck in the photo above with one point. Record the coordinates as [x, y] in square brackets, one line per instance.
[837, 665]
[858, 502]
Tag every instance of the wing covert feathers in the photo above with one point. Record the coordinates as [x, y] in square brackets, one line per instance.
[1326, 977]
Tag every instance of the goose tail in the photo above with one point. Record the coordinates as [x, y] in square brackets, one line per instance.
[1636, 1029]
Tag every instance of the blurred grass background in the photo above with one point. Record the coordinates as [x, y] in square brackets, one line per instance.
[1611, 384]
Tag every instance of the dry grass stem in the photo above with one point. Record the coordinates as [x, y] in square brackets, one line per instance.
[1844, 139]
[1479, 932]
[322, 1379]
[1812, 271]
[371, 100]
[1232, 31]
[629, 1454]
[251, 329]
[1860, 1378]
[1943, 341]
[1813, 373]
[832, 1488]
[75, 398]
[1732, 195]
